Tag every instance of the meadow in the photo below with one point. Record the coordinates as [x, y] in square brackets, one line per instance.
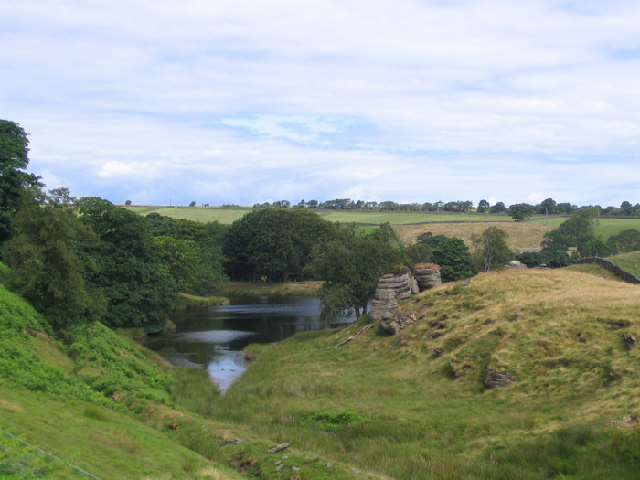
[416, 405]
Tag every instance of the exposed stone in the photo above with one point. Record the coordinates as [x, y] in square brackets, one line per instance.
[392, 290]
[437, 352]
[515, 265]
[278, 448]
[629, 341]
[427, 276]
[495, 379]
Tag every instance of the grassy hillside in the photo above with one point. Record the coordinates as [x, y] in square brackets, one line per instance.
[416, 405]
[100, 403]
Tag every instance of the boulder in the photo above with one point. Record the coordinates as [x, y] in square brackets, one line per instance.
[495, 379]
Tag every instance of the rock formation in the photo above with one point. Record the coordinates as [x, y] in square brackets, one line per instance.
[428, 276]
[393, 289]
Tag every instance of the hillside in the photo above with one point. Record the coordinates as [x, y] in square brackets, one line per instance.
[417, 405]
[100, 406]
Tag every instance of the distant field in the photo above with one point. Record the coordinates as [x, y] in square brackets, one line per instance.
[403, 218]
[229, 215]
[521, 234]
[198, 214]
[409, 225]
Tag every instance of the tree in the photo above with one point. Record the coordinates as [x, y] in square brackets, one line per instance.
[626, 241]
[128, 203]
[14, 149]
[491, 248]
[350, 266]
[193, 203]
[135, 281]
[577, 231]
[483, 206]
[499, 207]
[547, 206]
[49, 263]
[275, 243]
[199, 244]
[521, 211]
[451, 254]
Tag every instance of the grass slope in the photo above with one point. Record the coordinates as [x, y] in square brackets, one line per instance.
[103, 403]
[415, 405]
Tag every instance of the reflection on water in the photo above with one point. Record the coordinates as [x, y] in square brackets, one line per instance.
[214, 337]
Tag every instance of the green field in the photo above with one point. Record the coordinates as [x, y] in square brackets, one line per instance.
[606, 227]
[223, 215]
[627, 261]
[228, 215]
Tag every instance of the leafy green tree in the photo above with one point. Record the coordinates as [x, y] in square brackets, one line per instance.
[521, 211]
[499, 207]
[547, 206]
[49, 263]
[350, 266]
[491, 250]
[451, 254]
[207, 273]
[483, 206]
[14, 149]
[274, 243]
[135, 281]
[577, 231]
[626, 241]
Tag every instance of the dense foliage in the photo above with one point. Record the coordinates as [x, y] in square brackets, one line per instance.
[577, 231]
[131, 272]
[50, 265]
[451, 254]
[549, 258]
[274, 244]
[626, 241]
[351, 264]
[14, 148]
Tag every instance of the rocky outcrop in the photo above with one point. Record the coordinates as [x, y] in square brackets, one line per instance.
[495, 379]
[393, 289]
[427, 276]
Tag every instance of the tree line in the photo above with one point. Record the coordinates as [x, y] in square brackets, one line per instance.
[519, 211]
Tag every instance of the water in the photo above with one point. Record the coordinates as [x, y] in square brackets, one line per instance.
[213, 337]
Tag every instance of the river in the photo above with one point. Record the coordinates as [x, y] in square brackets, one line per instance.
[213, 337]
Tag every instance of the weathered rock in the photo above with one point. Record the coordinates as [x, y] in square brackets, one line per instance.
[278, 448]
[515, 265]
[388, 328]
[629, 341]
[427, 276]
[392, 290]
[495, 379]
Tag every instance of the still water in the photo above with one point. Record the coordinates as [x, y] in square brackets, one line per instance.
[213, 337]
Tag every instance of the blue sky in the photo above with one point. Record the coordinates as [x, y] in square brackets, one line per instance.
[251, 101]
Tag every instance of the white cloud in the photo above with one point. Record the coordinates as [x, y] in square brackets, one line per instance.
[415, 100]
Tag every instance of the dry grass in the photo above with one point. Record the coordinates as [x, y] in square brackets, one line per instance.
[521, 234]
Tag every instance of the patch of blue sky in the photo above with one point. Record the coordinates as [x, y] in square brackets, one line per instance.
[629, 53]
[321, 131]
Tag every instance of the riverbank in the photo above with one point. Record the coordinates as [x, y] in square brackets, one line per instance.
[187, 300]
[285, 288]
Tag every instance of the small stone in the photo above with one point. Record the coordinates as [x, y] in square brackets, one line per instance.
[295, 469]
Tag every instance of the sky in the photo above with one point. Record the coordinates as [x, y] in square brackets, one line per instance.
[239, 102]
